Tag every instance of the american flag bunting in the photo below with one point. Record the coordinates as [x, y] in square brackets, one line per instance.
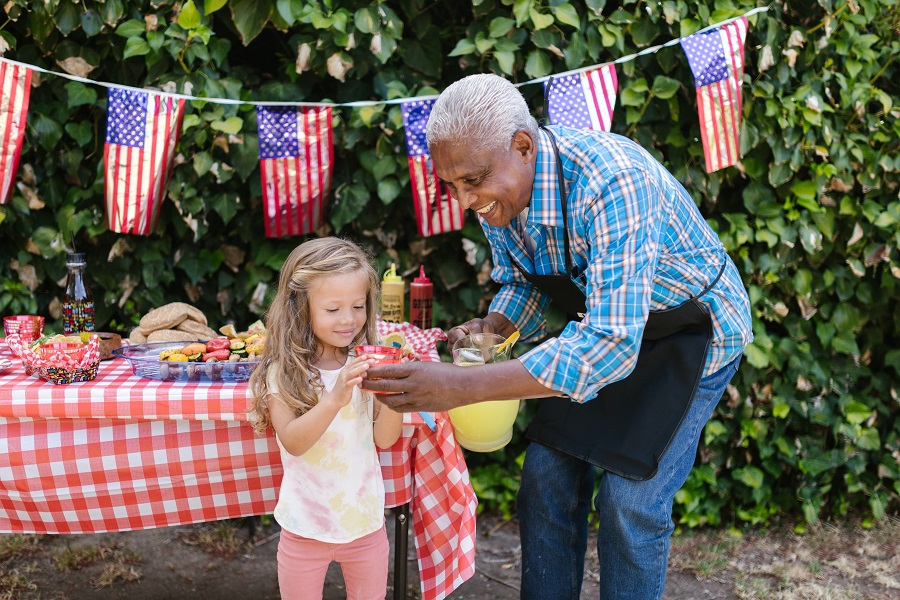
[296, 164]
[15, 91]
[142, 130]
[436, 210]
[716, 58]
[584, 100]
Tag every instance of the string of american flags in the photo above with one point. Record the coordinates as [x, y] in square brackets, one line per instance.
[296, 150]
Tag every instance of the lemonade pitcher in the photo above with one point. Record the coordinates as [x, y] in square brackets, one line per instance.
[485, 426]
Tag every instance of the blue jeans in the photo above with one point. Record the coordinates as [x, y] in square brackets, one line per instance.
[635, 516]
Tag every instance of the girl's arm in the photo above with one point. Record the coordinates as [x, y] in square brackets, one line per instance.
[298, 434]
[388, 425]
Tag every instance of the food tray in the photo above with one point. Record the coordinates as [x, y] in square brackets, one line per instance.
[144, 361]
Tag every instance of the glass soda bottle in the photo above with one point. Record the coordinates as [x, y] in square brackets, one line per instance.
[78, 304]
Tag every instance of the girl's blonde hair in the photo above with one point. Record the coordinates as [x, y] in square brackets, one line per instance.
[290, 342]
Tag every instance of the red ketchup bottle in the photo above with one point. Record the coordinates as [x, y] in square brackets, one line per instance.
[421, 294]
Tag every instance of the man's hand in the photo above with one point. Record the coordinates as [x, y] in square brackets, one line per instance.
[412, 386]
[492, 323]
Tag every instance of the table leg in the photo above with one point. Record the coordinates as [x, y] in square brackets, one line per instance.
[401, 537]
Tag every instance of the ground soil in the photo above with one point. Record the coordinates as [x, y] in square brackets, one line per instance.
[236, 560]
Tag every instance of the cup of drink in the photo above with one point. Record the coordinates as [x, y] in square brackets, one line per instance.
[29, 327]
[485, 426]
[383, 355]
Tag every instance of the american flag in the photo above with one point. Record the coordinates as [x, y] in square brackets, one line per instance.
[436, 210]
[584, 100]
[15, 91]
[296, 163]
[716, 58]
[142, 130]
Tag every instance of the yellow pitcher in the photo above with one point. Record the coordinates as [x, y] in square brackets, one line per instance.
[485, 426]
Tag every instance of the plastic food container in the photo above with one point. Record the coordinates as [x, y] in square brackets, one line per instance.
[29, 327]
[144, 361]
[485, 426]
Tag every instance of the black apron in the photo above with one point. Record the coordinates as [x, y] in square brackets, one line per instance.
[629, 425]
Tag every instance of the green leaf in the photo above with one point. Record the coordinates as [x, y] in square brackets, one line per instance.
[506, 60]
[350, 200]
[230, 125]
[750, 476]
[756, 357]
[79, 94]
[464, 46]
[225, 206]
[566, 13]
[91, 23]
[388, 190]
[892, 359]
[869, 439]
[67, 17]
[211, 6]
[135, 47]
[48, 131]
[540, 20]
[538, 64]
[781, 410]
[203, 162]
[857, 412]
[81, 132]
[366, 19]
[665, 87]
[521, 10]
[250, 16]
[500, 26]
[189, 17]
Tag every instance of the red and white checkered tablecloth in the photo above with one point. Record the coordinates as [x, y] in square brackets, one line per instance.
[121, 453]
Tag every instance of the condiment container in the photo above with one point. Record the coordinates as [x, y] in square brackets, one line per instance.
[421, 296]
[78, 303]
[393, 293]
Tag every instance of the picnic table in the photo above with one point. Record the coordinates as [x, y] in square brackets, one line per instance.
[122, 452]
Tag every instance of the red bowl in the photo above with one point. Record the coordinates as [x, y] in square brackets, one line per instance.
[383, 355]
[74, 350]
[29, 327]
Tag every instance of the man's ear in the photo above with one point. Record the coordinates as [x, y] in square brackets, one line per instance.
[523, 145]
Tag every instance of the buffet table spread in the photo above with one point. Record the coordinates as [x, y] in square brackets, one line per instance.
[122, 452]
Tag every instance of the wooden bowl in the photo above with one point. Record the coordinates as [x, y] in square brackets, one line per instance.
[108, 343]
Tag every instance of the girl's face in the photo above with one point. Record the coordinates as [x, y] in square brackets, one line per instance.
[337, 307]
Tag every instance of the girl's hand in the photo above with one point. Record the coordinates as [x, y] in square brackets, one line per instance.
[350, 376]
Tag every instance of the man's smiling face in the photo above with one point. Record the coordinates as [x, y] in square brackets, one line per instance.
[495, 184]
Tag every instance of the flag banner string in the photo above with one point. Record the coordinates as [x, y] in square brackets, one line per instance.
[361, 103]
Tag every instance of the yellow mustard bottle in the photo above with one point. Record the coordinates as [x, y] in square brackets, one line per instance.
[393, 292]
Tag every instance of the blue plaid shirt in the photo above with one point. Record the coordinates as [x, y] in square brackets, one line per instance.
[638, 243]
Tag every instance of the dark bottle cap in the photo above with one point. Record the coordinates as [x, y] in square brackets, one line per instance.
[75, 258]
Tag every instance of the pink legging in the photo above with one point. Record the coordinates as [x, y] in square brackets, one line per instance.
[302, 564]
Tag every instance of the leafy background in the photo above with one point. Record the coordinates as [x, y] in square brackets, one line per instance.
[808, 430]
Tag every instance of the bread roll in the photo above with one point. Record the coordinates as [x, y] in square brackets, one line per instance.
[170, 315]
[202, 331]
[170, 335]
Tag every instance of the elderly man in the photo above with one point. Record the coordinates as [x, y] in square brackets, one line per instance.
[658, 322]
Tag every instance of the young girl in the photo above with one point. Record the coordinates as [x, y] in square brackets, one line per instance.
[331, 504]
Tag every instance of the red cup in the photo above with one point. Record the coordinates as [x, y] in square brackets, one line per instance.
[383, 355]
[74, 350]
[29, 327]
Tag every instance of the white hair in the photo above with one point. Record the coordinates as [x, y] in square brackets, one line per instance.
[483, 111]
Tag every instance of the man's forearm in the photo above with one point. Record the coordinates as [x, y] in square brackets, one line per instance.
[507, 380]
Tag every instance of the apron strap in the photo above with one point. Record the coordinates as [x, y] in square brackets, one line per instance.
[563, 195]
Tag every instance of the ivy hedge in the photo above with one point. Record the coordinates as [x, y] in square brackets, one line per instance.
[809, 429]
